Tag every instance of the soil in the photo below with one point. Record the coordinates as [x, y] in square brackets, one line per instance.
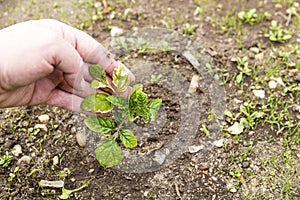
[182, 174]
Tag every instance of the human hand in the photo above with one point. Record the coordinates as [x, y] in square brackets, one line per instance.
[45, 62]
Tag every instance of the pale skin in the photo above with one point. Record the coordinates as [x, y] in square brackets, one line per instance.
[45, 62]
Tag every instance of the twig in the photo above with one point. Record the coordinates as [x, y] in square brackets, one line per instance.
[177, 190]
[283, 15]
[289, 19]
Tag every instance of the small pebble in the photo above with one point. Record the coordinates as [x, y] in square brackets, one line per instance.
[278, 6]
[259, 93]
[55, 160]
[272, 84]
[73, 130]
[116, 31]
[81, 138]
[159, 157]
[42, 127]
[146, 193]
[259, 56]
[16, 150]
[203, 166]
[245, 164]
[44, 119]
[218, 143]
[233, 190]
[91, 171]
[235, 129]
[195, 149]
[194, 84]
[24, 159]
[254, 50]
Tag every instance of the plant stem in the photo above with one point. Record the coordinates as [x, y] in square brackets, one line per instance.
[116, 135]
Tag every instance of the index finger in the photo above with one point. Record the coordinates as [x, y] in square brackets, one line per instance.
[91, 50]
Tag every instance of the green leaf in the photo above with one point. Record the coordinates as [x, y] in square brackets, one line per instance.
[135, 88]
[132, 95]
[109, 153]
[239, 78]
[273, 38]
[274, 23]
[97, 84]
[100, 124]
[228, 113]
[144, 113]
[141, 98]
[243, 109]
[286, 37]
[154, 107]
[258, 114]
[130, 115]
[118, 101]
[128, 138]
[120, 78]
[131, 101]
[96, 103]
[67, 193]
[241, 15]
[97, 71]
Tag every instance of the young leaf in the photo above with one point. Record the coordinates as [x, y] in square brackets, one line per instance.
[154, 107]
[100, 124]
[97, 84]
[239, 77]
[97, 71]
[97, 103]
[141, 98]
[108, 153]
[128, 138]
[144, 113]
[118, 101]
[228, 113]
[67, 193]
[132, 94]
[120, 78]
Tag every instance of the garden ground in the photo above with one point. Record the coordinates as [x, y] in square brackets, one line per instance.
[254, 48]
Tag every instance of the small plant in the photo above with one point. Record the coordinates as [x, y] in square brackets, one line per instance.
[66, 194]
[189, 29]
[243, 67]
[277, 34]
[248, 17]
[136, 106]
[6, 159]
[251, 16]
[13, 174]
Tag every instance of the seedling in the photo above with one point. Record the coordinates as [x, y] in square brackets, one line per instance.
[136, 106]
[66, 194]
[243, 67]
[6, 159]
[13, 174]
[248, 17]
[277, 34]
[251, 16]
[189, 29]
